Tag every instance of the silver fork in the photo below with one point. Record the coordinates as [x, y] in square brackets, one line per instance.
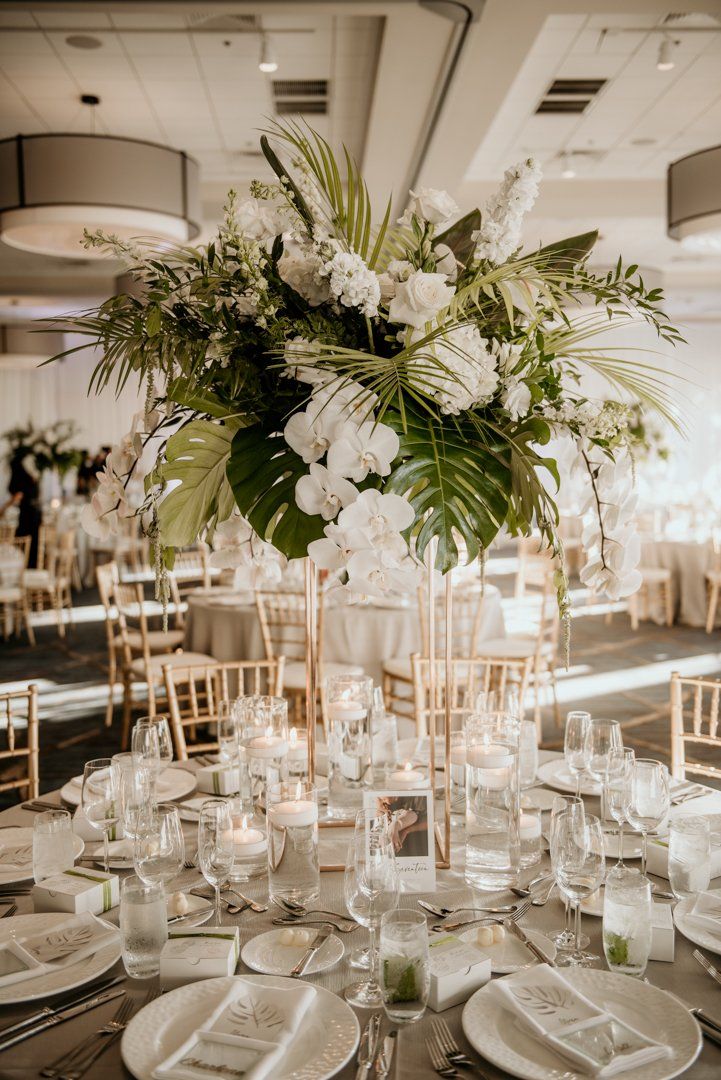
[80, 1068]
[451, 1049]
[440, 928]
[315, 922]
[439, 1061]
[191, 863]
[72, 1058]
[707, 966]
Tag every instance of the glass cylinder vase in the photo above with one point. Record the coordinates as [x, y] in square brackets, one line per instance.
[348, 706]
[263, 728]
[493, 849]
[293, 864]
[250, 843]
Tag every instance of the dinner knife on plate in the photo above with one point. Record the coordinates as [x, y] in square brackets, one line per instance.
[66, 1003]
[384, 1060]
[315, 945]
[520, 933]
[61, 1015]
[368, 1046]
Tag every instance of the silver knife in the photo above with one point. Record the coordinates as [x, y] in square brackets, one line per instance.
[384, 1060]
[368, 1046]
[50, 1010]
[520, 933]
[306, 958]
[60, 1016]
[189, 914]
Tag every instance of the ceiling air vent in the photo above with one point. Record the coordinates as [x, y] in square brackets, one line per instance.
[570, 95]
[300, 96]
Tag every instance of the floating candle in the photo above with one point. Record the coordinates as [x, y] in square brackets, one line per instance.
[408, 777]
[347, 709]
[248, 842]
[293, 814]
[529, 827]
[297, 746]
[267, 746]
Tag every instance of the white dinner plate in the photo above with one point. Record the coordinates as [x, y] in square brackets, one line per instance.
[23, 838]
[555, 775]
[537, 797]
[500, 1038]
[704, 938]
[172, 784]
[266, 954]
[326, 1041]
[66, 978]
[593, 904]
[511, 954]
[196, 904]
[632, 845]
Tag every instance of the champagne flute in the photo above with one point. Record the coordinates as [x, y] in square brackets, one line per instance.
[159, 850]
[216, 849]
[579, 866]
[566, 938]
[575, 745]
[603, 736]
[372, 889]
[649, 801]
[99, 799]
[618, 793]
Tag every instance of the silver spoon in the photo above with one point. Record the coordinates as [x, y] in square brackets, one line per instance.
[442, 912]
[315, 922]
[252, 904]
[290, 907]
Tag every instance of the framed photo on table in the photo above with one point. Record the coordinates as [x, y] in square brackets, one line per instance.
[411, 821]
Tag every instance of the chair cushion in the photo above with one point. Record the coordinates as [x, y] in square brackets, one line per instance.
[158, 640]
[520, 648]
[37, 579]
[176, 660]
[399, 667]
[294, 674]
[10, 595]
[653, 575]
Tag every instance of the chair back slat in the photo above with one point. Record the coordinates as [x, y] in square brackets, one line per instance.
[472, 675]
[695, 706]
[14, 706]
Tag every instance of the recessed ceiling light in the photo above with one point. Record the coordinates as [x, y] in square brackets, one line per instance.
[83, 41]
[567, 170]
[665, 61]
[268, 60]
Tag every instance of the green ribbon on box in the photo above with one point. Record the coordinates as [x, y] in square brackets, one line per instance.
[205, 933]
[106, 882]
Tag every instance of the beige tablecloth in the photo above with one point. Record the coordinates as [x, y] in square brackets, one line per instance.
[228, 629]
[684, 977]
[688, 561]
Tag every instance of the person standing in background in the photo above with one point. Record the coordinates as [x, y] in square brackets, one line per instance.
[24, 490]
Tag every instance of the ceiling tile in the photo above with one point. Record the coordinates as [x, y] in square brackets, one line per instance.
[23, 43]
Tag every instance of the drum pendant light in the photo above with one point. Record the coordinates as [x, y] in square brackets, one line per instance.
[694, 201]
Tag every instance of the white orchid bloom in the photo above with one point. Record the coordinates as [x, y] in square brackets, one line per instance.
[336, 548]
[231, 543]
[310, 432]
[322, 492]
[350, 399]
[356, 451]
[374, 573]
[378, 515]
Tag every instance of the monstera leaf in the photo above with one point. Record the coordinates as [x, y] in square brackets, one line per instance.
[263, 472]
[197, 456]
[459, 237]
[457, 481]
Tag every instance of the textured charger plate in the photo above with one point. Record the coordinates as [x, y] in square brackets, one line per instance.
[68, 978]
[172, 784]
[555, 774]
[22, 836]
[704, 938]
[499, 1037]
[326, 1041]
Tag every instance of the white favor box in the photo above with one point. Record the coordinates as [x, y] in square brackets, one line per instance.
[217, 780]
[458, 969]
[77, 890]
[662, 932]
[198, 952]
[657, 862]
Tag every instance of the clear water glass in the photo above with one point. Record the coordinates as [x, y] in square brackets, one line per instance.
[143, 927]
[689, 856]
[52, 844]
[650, 799]
[576, 750]
[529, 753]
[159, 849]
[578, 865]
[100, 798]
[293, 862]
[216, 848]
[165, 741]
[136, 790]
[405, 970]
[627, 918]
[565, 939]
[618, 790]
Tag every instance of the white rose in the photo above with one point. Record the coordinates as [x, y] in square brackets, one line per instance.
[257, 220]
[419, 299]
[433, 205]
[446, 262]
[516, 398]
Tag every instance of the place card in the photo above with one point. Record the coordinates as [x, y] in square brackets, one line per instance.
[458, 969]
[202, 952]
[411, 822]
[77, 890]
[218, 779]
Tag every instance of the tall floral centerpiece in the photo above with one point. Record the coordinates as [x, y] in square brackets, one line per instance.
[321, 385]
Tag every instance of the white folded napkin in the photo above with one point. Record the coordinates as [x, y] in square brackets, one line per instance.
[706, 913]
[68, 942]
[571, 1025]
[16, 858]
[245, 1036]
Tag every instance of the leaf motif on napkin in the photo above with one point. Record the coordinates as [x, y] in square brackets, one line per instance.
[62, 943]
[251, 1014]
[17, 856]
[546, 1000]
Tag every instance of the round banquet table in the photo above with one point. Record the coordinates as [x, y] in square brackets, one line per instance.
[226, 625]
[684, 977]
[688, 561]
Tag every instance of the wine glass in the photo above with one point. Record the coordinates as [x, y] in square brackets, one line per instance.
[135, 790]
[618, 790]
[360, 957]
[159, 850]
[566, 938]
[145, 744]
[603, 736]
[578, 865]
[165, 742]
[228, 733]
[216, 849]
[649, 801]
[99, 798]
[371, 889]
[575, 745]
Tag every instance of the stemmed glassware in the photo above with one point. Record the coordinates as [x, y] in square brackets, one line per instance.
[159, 849]
[576, 749]
[371, 889]
[649, 802]
[145, 745]
[566, 938]
[216, 849]
[165, 742]
[136, 788]
[100, 799]
[603, 736]
[618, 790]
[578, 866]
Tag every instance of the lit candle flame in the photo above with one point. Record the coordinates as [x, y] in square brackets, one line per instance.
[269, 731]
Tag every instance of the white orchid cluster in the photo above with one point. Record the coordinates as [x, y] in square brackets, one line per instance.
[102, 515]
[500, 232]
[610, 541]
[236, 546]
[607, 421]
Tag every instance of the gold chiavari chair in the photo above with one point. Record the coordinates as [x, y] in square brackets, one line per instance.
[282, 623]
[713, 586]
[14, 601]
[194, 693]
[657, 580]
[52, 583]
[534, 565]
[7, 532]
[107, 577]
[695, 723]
[472, 675]
[145, 651]
[19, 760]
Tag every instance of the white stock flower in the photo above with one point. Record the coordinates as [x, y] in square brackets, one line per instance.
[353, 283]
[322, 492]
[502, 218]
[419, 299]
[310, 432]
[302, 269]
[358, 450]
[430, 204]
[516, 397]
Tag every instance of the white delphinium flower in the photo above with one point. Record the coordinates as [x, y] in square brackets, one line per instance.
[431, 205]
[515, 397]
[609, 537]
[322, 492]
[419, 299]
[468, 376]
[353, 283]
[310, 431]
[359, 449]
[301, 267]
[502, 218]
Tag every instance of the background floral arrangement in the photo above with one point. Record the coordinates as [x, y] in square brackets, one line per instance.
[317, 385]
[44, 449]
